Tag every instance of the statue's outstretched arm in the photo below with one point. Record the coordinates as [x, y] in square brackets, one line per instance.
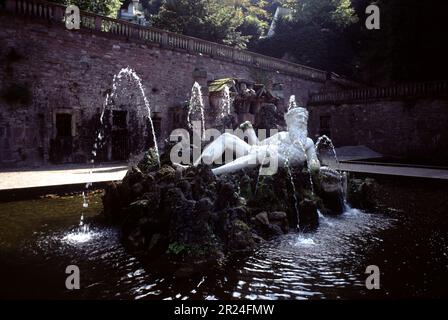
[249, 131]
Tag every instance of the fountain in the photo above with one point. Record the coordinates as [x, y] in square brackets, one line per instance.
[195, 215]
[82, 233]
[330, 160]
[196, 108]
[292, 102]
[130, 75]
[292, 105]
[225, 119]
[277, 148]
[226, 102]
[336, 183]
[294, 193]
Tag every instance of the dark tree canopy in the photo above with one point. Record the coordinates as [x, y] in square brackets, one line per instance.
[232, 22]
[331, 35]
[316, 34]
[325, 34]
[411, 44]
[104, 7]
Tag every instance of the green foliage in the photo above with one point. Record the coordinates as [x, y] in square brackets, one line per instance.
[194, 250]
[151, 6]
[181, 16]
[310, 195]
[176, 248]
[344, 15]
[229, 22]
[253, 27]
[266, 197]
[325, 34]
[331, 35]
[104, 7]
[324, 13]
[315, 35]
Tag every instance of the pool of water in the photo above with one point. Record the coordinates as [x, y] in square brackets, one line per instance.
[39, 239]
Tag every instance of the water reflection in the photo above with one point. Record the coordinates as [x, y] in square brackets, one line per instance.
[36, 246]
[323, 264]
[316, 265]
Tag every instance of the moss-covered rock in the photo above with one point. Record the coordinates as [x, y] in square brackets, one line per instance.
[330, 188]
[363, 193]
[195, 219]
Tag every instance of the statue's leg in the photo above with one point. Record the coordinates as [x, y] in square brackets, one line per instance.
[247, 161]
[224, 142]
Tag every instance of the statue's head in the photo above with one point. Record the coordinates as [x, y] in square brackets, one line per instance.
[297, 118]
[297, 122]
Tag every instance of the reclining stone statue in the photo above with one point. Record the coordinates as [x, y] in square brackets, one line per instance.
[291, 147]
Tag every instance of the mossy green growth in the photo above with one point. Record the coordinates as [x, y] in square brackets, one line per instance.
[265, 196]
[241, 225]
[245, 125]
[176, 248]
[310, 195]
[245, 187]
[149, 162]
[317, 177]
[192, 250]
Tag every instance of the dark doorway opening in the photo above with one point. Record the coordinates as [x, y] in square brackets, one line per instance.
[120, 135]
[119, 119]
[61, 147]
[63, 125]
[120, 144]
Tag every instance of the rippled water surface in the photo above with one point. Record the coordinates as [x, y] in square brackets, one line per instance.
[327, 264]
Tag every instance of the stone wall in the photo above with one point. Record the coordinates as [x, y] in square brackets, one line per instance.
[71, 72]
[410, 128]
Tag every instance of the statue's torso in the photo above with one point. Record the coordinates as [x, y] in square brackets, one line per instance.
[281, 144]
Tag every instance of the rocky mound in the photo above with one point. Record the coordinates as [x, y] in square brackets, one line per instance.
[195, 219]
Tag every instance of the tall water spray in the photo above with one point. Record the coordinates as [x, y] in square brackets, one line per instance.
[292, 102]
[294, 191]
[196, 108]
[325, 142]
[226, 102]
[132, 76]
